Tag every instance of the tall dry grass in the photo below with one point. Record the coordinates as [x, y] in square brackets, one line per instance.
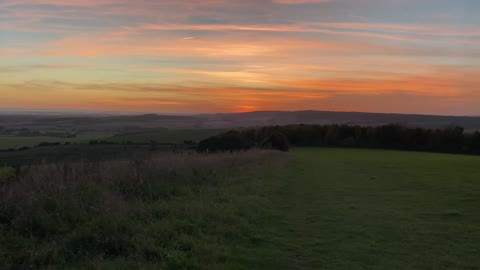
[62, 213]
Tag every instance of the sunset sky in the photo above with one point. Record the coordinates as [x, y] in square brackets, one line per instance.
[203, 56]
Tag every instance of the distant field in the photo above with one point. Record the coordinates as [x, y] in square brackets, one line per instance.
[159, 136]
[166, 136]
[7, 142]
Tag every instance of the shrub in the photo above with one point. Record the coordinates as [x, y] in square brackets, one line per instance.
[46, 144]
[229, 141]
[278, 141]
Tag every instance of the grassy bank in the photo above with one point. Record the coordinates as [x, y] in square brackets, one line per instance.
[168, 212]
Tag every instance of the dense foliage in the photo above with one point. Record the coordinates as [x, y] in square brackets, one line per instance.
[243, 140]
[449, 140]
[229, 141]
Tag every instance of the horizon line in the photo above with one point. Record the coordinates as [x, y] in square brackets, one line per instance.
[26, 111]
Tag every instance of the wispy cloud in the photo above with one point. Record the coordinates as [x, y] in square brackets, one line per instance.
[300, 28]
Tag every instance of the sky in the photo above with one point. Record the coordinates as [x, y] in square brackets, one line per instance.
[209, 56]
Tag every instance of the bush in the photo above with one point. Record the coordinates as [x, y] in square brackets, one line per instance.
[47, 144]
[277, 141]
[229, 141]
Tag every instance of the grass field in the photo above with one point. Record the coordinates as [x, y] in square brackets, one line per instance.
[310, 209]
[166, 136]
[7, 142]
[170, 212]
[366, 209]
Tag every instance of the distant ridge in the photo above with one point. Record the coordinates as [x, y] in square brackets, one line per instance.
[259, 118]
[65, 112]
[338, 112]
[132, 121]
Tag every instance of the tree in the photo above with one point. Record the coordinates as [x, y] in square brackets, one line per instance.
[277, 140]
[475, 143]
[331, 136]
[229, 141]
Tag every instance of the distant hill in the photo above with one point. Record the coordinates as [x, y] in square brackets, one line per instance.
[122, 123]
[262, 118]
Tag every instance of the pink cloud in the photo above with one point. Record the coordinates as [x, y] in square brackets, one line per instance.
[81, 3]
[297, 2]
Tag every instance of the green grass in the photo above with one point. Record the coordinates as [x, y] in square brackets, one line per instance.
[5, 172]
[366, 209]
[311, 209]
[11, 142]
[166, 136]
[170, 212]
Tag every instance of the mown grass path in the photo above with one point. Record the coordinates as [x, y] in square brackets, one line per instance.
[367, 209]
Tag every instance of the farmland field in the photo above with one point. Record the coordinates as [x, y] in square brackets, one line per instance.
[315, 208]
[7, 142]
[166, 136]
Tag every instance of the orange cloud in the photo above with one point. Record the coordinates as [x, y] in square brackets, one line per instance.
[129, 43]
[446, 85]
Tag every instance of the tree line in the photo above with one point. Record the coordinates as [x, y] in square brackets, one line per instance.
[452, 139]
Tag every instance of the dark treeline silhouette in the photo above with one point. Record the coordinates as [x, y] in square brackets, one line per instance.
[449, 140]
[243, 140]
